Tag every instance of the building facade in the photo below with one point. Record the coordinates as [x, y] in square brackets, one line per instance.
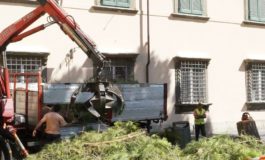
[206, 51]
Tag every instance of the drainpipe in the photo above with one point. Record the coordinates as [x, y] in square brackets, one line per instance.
[148, 45]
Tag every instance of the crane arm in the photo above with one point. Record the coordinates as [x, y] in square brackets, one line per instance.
[104, 94]
[19, 26]
[66, 22]
[16, 32]
[72, 29]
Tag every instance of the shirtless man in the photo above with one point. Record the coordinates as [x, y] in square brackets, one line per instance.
[53, 123]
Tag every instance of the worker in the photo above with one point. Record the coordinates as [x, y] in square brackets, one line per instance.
[199, 116]
[53, 122]
[246, 117]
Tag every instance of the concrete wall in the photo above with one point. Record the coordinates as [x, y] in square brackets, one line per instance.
[224, 38]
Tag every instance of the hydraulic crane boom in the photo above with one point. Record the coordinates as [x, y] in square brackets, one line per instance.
[16, 32]
[103, 95]
[66, 22]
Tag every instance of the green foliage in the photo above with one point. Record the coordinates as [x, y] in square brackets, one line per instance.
[224, 147]
[117, 142]
[125, 141]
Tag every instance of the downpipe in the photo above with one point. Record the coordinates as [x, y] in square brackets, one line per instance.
[148, 45]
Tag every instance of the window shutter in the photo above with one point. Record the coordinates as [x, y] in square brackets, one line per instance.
[123, 3]
[253, 10]
[197, 7]
[261, 5]
[108, 2]
[184, 6]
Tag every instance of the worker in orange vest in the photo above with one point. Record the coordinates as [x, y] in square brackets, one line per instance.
[199, 116]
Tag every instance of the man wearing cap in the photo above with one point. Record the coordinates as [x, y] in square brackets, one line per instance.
[199, 116]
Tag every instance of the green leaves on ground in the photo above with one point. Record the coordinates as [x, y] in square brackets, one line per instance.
[125, 141]
[224, 147]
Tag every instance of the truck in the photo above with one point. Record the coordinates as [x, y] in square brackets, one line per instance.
[105, 101]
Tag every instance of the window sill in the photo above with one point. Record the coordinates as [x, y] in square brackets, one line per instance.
[115, 9]
[254, 23]
[188, 108]
[190, 16]
[255, 106]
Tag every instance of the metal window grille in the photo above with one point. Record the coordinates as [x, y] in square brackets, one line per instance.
[22, 64]
[117, 73]
[191, 81]
[256, 82]
[120, 72]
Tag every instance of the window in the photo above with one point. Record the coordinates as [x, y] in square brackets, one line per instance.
[28, 1]
[26, 63]
[116, 3]
[120, 69]
[21, 1]
[119, 73]
[256, 82]
[191, 81]
[193, 7]
[256, 10]
[127, 6]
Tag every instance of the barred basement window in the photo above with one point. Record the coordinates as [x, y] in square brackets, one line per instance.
[23, 64]
[120, 69]
[256, 82]
[118, 73]
[191, 81]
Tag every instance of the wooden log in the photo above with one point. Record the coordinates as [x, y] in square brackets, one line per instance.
[248, 127]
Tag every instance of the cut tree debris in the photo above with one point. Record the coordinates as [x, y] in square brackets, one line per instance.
[125, 141]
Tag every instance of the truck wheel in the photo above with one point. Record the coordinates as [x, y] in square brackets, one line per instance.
[5, 150]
